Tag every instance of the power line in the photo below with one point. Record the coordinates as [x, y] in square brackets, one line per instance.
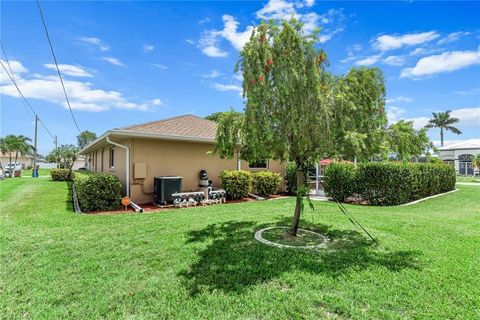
[56, 65]
[20, 93]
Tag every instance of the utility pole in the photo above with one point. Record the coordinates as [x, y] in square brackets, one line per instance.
[35, 171]
[56, 151]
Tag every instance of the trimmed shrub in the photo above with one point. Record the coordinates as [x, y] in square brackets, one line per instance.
[339, 181]
[97, 192]
[266, 183]
[60, 175]
[389, 183]
[236, 183]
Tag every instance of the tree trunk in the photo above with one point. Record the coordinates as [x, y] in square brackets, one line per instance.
[10, 163]
[441, 137]
[299, 202]
[15, 166]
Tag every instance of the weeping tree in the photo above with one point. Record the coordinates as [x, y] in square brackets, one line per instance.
[229, 134]
[359, 119]
[286, 108]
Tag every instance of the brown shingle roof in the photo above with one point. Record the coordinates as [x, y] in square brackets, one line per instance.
[188, 126]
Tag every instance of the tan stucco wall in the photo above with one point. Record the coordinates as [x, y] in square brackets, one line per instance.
[167, 158]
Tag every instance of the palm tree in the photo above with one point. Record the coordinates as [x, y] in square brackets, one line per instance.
[7, 145]
[476, 162]
[443, 120]
[21, 146]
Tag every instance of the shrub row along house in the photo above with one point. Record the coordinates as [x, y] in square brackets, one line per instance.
[179, 146]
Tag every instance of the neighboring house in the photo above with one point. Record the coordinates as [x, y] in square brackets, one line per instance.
[460, 155]
[179, 146]
[26, 161]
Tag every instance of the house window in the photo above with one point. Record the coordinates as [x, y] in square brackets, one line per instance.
[258, 165]
[111, 159]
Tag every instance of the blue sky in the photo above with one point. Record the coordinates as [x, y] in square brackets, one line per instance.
[132, 62]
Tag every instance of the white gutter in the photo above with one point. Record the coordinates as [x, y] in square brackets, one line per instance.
[127, 162]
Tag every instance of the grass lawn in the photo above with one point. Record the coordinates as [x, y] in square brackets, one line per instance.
[204, 263]
[468, 179]
[41, 172]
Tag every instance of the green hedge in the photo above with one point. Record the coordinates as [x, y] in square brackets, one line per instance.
[266, 183]
[340, 180]
[98, 191]
[387, 183]
[60, 175]
[236, 183]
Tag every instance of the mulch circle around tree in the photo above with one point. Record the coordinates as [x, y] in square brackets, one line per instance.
[280, 238]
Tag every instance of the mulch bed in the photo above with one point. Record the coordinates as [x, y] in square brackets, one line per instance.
[151, 207]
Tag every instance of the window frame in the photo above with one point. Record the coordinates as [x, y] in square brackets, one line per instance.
[256, 168]
[111, 158]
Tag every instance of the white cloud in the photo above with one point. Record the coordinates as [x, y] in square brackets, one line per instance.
[368, 60]
[469, 117]
[391, 42]
[70, 70]
[445, 62]
[394, 114]
[204, 20]
[160, 66]
[399, 99]
[147, 48]
[113, 61]
[394, 60]
[157, 102]
[309, 3]
[332, 23]
[83, 95]
[96, 42]
[212, 74]
[237, 39]
[418, 122]
[16, 67]
[468, 92]
[424, 51]
[454, 36]
[189, 41]
[227, 87]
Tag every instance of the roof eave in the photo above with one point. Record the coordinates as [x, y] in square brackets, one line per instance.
[130, 134]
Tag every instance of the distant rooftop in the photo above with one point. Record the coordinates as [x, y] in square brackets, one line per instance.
[461, 145]
[188, 126]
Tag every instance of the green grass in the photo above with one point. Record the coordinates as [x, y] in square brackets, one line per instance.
[41, 172]
[204, 263]
[468, 179]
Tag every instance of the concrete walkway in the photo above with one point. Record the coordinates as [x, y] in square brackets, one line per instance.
[469, 183]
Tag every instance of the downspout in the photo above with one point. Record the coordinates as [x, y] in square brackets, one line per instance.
[127, 162]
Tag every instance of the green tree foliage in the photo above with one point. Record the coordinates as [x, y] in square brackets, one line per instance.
[18, 145]
[286, 113]
[405, 141]
[217, 115]
[444, 121]
[85, 138]
[476, 161]
[359, 116]
[228, 136]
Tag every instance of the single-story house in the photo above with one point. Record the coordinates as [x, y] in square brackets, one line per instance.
[26, 160]
[460, 155]
[178, 146]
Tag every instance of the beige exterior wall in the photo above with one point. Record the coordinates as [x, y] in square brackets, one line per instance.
[165, 158]
[23, 160]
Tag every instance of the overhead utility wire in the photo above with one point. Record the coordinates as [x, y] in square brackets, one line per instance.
[20, 93]
[56, 65]
[351, 218]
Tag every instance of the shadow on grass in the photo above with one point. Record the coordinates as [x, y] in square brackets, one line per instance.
[234, 260]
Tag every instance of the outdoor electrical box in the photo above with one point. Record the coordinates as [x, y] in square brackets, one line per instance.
[140, 170]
